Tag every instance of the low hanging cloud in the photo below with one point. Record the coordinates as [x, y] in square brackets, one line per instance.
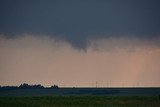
[77, 22]
[116, 44]
[111, 62]
[124, 43]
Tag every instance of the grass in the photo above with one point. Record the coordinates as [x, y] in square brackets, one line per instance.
[81, 101]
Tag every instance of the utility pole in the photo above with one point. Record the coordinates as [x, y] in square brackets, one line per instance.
[96, 84]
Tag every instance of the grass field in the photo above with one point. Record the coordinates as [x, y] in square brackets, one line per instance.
[81, 101]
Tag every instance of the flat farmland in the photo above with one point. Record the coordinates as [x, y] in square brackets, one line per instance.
[81, 101]
[81, 97]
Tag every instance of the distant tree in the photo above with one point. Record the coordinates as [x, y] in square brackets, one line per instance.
[39, 86]
[54, 87]
[26, 86]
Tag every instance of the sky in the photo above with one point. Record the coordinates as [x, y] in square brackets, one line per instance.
[76, 43]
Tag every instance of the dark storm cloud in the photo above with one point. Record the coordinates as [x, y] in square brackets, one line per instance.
[76, 21]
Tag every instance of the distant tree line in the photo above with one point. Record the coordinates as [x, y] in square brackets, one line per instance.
[27, 86]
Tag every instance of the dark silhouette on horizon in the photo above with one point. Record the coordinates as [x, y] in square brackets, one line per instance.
[27, 86]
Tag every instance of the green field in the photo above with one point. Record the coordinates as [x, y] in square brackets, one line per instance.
[81, 101]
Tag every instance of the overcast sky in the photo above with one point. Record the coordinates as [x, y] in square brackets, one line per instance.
[79, 42]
